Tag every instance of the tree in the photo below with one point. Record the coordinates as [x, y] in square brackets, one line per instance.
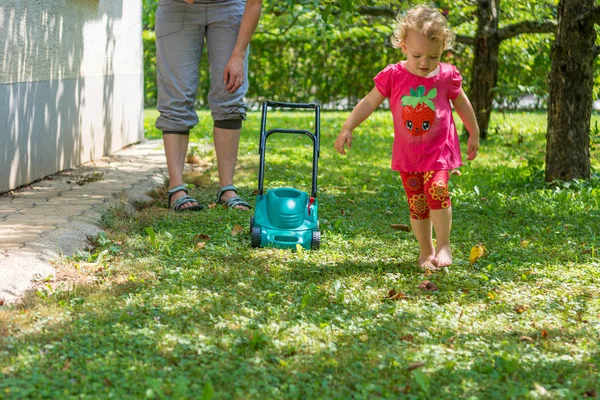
[571, 91]
[486, 44]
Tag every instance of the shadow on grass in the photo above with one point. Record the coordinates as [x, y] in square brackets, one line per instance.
[266, 323]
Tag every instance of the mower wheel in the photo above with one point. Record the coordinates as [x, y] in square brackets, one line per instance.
[251, 225]
[316, 240]
[255, 237]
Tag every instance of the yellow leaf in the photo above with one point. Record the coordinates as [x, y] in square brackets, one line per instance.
[520, 308]
[299, 248]
[237, 228]
[524, 243]
[476, 253]
[200, 245]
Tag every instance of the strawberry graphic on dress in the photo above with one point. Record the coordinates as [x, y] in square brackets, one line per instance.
[418, 111]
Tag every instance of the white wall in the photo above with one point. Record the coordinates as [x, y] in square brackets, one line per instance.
[71, 84]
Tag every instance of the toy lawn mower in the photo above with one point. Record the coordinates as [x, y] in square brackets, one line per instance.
[286, 217]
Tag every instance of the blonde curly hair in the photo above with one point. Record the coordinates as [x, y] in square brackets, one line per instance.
[425, 20]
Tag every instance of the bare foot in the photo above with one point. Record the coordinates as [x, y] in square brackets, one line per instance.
[428, 266]
[425, 259]
[443, 256]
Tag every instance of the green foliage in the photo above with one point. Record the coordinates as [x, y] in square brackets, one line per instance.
[524, 65]
[224, 320]
[329, 52]
[150, 89]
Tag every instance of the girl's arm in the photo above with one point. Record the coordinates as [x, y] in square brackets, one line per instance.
[363, 109]
[465, 111]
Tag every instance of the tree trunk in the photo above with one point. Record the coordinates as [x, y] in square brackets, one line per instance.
[571, 86]
[485, 64]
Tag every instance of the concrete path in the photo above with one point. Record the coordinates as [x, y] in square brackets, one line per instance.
[55, 216]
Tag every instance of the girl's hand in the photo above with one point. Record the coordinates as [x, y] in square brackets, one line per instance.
[344, 138]
[472, 147]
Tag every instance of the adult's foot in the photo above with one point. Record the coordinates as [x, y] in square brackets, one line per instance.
[230, 194]
[175, 195]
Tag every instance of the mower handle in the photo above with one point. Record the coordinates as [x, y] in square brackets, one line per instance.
[290, 105]
[264, 134]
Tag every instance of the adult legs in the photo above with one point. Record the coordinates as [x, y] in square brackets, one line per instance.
[227, 142]
[179, 45]
[175, 151]
[228, 109]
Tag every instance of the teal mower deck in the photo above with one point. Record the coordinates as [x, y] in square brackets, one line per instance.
[286, 217]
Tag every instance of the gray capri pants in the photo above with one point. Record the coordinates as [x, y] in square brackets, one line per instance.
[181, 29]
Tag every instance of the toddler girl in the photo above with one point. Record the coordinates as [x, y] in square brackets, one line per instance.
[426, 145]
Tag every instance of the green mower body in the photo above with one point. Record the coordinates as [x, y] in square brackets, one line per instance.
[286, 217]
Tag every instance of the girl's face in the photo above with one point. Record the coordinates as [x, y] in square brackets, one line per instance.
[422, 55]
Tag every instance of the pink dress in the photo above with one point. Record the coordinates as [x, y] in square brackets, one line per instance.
[425, 137]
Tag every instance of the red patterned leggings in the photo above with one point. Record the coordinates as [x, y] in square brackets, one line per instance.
[426, 191]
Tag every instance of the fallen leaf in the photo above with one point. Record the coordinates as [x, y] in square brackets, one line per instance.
[1, 302]
[237, 228]
[526, 339]
[192, 159]
[476, 253]
[591, 393]
[520, 308]
[202, 236]
[393, 295]
[343, 212]
[524, 243]
[363, 338]
[544, 334]
[401, 227]
[407, 338]
[388, 212]
[428, 286]
[212, 205]
[200, 245]
[415, 365]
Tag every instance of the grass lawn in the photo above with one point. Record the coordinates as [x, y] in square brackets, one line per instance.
[172, 305]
